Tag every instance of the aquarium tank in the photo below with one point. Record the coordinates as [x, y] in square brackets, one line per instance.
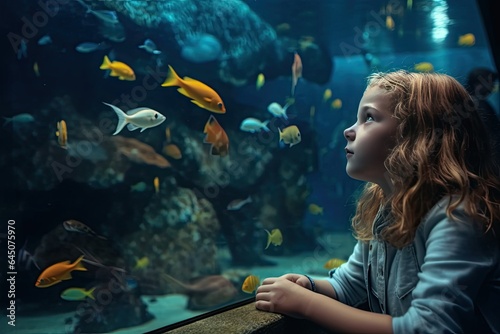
[161, 158]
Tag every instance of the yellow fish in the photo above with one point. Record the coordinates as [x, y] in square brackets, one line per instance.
[76, 294]
[290, 135]
[62, 134]
[425, 67]
[389, 22]
[156, 183]
[118, 69]
[337, 104]
[141, 263]
[274, 237]
[250, 284]
[199, 93]
[333, 263]
[327, 94]
[36, 69]
[467, 40]
[260, 81]
[59, 272]
[282, 27]
[315, 209]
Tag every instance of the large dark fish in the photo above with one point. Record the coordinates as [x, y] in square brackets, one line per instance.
[206, 292]
[79, 227]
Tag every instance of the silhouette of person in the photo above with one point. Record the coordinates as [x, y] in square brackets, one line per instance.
[480, 84]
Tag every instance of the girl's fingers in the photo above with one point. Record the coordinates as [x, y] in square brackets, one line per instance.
[269, 280]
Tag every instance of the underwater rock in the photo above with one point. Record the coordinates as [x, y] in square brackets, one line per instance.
[186, 247]
[248, 159]
[176, 208]
[201, 48]
[116, 304]
[246, 40]
[118, 309]
[91, 155]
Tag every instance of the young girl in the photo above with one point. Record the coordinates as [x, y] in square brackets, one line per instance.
[428, 256]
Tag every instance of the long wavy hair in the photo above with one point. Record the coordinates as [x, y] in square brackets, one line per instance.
[441, 148]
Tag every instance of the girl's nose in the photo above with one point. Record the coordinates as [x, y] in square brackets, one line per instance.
[349, 133]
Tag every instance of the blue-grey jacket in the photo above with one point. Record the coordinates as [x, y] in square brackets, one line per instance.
[446, 281]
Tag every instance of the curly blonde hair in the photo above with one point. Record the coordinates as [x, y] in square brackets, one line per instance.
[441, 148]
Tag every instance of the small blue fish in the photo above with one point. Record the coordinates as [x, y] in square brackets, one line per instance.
[45, 40]
[251, 124]
[150, 47]
[19, 118]
[108, 16]
[87, 47]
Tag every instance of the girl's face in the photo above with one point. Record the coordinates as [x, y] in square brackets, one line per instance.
[371, 138]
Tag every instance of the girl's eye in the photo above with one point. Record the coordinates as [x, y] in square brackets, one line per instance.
[369, 118]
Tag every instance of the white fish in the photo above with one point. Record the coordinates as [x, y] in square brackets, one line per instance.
[142, 118]
[104, 15]
[238, 203]
[277, 110]
[253, 125]
[45, 40]
[150, 47]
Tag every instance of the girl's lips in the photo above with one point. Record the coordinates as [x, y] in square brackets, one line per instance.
[348, 152]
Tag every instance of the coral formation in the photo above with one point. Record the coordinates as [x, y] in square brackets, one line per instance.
[246, 40]
[180, 240]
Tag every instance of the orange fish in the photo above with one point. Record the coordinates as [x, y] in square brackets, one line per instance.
[172, 151]
[118, 69]
[250, 284]
[199, 93]
[216, 136]
[59, 272]
[296, 71]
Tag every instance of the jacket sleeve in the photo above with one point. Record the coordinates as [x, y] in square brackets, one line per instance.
[348, 280]
[457, 260]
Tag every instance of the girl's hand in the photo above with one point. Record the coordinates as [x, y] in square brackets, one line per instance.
[301, 280]
[287, 295]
